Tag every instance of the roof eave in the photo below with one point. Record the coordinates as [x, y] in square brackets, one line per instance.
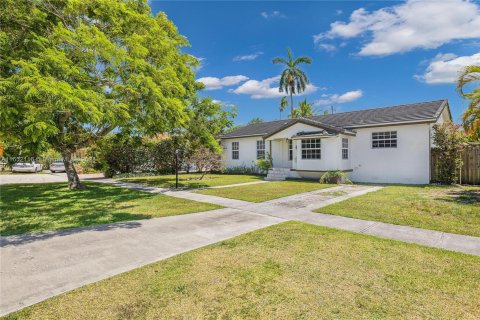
[396, 123]
[243, 136]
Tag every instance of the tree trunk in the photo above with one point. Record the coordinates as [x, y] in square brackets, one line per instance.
[291, 104]
[73, 180]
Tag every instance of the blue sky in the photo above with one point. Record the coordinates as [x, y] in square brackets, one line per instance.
[365, 54]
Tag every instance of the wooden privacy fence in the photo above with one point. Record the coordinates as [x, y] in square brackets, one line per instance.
[470, 171]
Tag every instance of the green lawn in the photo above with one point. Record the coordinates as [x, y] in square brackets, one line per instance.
[449, 209]
[192, 180]
[42, 207]
[266, 191]
[288, 271]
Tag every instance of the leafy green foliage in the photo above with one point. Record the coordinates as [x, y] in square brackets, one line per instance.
[448, 139]
[72, 71]
[208, 120]
[283, 105]
[265, 164]
[335, 177]
[48, 157]
[255, 120]
[305, 109]
[471, 116]
[242, 169]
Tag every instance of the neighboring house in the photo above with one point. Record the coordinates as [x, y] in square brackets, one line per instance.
[383, 145]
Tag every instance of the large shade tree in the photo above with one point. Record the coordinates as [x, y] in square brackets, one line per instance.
[293, 80]
[471, 116]
[72, 71]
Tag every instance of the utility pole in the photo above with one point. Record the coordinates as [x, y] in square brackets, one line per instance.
[176, 168]
[331, 106]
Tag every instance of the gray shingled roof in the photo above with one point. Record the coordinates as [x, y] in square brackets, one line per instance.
[422, 111]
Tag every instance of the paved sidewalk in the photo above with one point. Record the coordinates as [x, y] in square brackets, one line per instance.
[38, 266]
[46, 177]
[238, 184]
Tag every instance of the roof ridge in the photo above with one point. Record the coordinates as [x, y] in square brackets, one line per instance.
[379, 108]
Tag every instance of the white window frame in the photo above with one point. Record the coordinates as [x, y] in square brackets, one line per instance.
[384, 139]
[345, 149]
[260, 149]
[311, 149]
[235, 150]
[290, 150]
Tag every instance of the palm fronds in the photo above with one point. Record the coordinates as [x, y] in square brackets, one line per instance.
[471, 116]
[293, 80]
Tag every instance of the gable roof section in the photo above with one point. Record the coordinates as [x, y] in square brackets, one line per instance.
[415, 112]
[328, 128]
[257, 129]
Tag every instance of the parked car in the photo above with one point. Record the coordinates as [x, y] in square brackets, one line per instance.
[57, 166]
[27, 167]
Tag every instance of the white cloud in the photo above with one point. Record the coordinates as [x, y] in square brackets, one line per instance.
[248, 57]
[327, 47]
[328, 99]
[267, 88]
[273, 14]
[444, 68]
[213, 83]
[414, 24]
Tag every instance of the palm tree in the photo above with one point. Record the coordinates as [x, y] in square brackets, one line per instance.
[471, 116]
[283, 106]
[304, 110]
[293, 80]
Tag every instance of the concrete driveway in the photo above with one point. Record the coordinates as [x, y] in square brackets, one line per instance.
[44, 177]
[37, 266]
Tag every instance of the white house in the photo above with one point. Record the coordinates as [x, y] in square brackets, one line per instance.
[383, 145]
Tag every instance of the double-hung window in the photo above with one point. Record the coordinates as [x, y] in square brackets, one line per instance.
[344, 148]
[311, 149]
[260, 149]
[235, 151]
[387, 139]
[290, 150]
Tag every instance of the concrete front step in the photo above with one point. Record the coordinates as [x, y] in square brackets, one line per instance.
[278, 174]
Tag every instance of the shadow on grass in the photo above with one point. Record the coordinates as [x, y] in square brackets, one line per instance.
[463, 196]
[42, 207]
[39, 236]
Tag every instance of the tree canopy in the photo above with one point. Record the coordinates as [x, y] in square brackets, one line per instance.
[305, 109]
[255, 120]
[71, 71]
[471, 116]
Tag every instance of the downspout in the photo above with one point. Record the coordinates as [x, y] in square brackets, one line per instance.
[270, 150]
[429, 153]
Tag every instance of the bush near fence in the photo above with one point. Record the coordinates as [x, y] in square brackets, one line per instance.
[470, 170]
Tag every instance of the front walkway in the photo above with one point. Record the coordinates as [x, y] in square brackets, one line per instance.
[38, 266]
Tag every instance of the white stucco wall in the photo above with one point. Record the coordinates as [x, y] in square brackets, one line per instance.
[247, 154]
[331, 156]
[409, 163]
